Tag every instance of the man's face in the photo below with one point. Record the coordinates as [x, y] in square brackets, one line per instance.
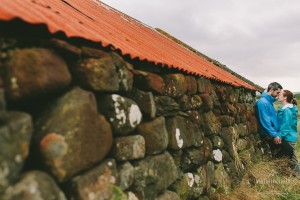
[275, 93]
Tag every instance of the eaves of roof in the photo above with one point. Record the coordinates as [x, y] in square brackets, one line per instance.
[98, 22]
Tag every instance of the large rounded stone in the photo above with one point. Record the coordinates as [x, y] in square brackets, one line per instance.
[71, 135]
[154, 174]
[34, 72]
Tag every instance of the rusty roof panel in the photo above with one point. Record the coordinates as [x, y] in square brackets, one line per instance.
[96, 21]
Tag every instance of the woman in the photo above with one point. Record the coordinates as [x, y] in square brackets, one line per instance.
[287, 119]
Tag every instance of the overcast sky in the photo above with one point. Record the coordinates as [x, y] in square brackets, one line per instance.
[258, 39]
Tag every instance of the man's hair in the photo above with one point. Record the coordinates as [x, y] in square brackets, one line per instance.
[274, 86]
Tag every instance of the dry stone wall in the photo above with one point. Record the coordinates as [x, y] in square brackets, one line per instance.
[79, 122]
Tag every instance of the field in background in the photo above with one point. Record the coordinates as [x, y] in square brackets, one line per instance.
[269, 179]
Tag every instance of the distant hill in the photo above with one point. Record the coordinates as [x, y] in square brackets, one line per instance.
[297, 95]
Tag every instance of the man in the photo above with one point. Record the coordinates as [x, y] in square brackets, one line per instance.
[267, 117]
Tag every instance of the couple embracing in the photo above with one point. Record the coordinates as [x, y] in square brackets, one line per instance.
[279, 129]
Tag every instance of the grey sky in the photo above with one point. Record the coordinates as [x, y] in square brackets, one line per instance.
[258, 39]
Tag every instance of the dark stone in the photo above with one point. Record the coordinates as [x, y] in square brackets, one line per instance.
[129, 147]
[155, 135]
[154, 174]
[123, 113]
[227, 120]
[148, 81]
[92, 52]
[84, 133]
[191, 85]
[34, 185]
[195, 117]
[15, 135]
[185, 102]
[65, 48]
[166, 106]
[175, 85]
[203, 85]
[207, 102]
[145, 101]
[228, 109]
[211, 125]
[33, 73]
[180, 133]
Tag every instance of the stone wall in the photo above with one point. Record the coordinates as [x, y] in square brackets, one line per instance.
[79, 122]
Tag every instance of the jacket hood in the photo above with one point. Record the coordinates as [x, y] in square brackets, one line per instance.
[268, 97]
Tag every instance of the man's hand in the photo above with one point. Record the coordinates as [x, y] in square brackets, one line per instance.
[277, 140]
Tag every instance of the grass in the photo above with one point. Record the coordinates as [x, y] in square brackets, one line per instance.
[268, 179]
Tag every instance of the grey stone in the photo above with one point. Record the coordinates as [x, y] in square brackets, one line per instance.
[155, 135]
[34, 185]
[222, 180]
[129, 147]
[84, 133]
[123, 113]
[126, 175]
[15, 135]
[154, 174]
[166, 106]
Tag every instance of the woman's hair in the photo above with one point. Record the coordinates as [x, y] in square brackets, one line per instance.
[289, 97]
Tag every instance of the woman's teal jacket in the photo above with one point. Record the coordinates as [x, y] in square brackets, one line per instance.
[287, 118]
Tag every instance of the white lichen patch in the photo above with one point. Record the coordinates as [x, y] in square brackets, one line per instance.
[191, 179]
[218, 156]
[119, 112]
[18, 158]
[179, 140]
[14, 83]
[135, 115]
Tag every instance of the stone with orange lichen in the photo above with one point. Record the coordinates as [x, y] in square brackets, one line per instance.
[71, 135]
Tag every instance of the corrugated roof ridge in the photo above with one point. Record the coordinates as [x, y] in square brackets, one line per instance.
[216, 63]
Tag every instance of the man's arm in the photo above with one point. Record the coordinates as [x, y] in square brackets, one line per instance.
[265, 119]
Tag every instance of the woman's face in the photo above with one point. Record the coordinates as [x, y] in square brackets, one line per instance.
[281, 98]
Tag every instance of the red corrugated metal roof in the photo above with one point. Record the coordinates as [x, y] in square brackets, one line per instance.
[96, 21]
